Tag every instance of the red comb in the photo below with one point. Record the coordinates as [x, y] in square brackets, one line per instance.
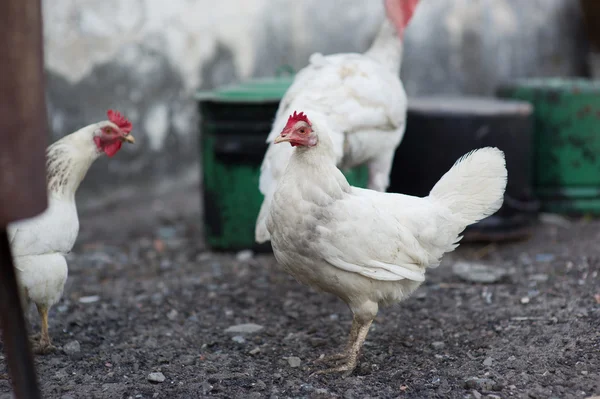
[295, 117]
[119, 120]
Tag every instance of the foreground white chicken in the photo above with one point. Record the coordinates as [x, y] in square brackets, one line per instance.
[370, 248]
[358, 97]
[39, 244]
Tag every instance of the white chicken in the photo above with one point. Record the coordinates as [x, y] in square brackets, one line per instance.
[361, 100]
[366, 247]
[39, 244]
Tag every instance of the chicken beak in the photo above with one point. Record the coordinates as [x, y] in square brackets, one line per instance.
[129, 138]
[282, 139]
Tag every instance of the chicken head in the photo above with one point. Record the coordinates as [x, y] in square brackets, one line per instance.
[298, 132]
[110, 134]
[400, 12]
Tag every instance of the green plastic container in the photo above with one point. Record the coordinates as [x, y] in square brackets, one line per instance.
[566, 141]
[235, 123]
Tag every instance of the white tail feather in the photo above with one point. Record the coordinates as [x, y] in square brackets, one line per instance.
[473, 188]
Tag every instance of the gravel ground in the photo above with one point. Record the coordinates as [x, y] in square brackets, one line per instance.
[145, 300]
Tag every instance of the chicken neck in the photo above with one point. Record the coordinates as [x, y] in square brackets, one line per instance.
[387, 47]
[67, 163]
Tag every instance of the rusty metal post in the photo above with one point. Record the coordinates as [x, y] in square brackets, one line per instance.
[23, 135]
[14, 331]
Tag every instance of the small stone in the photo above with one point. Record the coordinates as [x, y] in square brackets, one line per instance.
[488, 361]
[238, 339]
[206, 388]
[248, 328]
[61, 374]
[544, 258]
[172, 315]
[480, 384]
[89, 299]
[187, 360]
[421, 294]
[244, 256]
[203, 257]
[306, 388]
[525, 300]
[294, 361]
[166, 232]
[254, 351]
[156, 377]
[72, 348]
[478, 272]
[511, 358]
[476, 394]
[438, 345]
[350, 394]
[492, 396]
[260, 385]
[498, 386]
[541, 277]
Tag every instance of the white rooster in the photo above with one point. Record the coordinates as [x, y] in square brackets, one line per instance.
[370, 248]
[361, 100]
[39, 244]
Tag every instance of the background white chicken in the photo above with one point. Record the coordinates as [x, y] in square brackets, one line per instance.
[39, 244]
[361, 100]
[370, 248]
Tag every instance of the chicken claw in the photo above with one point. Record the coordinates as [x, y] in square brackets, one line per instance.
[43, 348]
[346, 369]
[348, 350]
[332, 358]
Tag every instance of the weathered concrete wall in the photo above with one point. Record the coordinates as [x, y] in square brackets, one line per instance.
[146, 58]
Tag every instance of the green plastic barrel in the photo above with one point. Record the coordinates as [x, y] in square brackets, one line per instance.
[566, 141]
[234, 125]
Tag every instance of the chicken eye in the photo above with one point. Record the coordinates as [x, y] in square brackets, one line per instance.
[303, 131]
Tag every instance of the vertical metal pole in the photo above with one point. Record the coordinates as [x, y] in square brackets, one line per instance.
[23, 140]
[14, 331]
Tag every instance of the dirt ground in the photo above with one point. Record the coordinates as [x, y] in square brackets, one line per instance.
[163, 305]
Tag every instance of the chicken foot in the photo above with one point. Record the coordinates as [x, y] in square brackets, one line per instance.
[352, 359]
[347, 350]
[44, 345]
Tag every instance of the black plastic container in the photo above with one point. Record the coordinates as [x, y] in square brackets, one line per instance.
[442, 129]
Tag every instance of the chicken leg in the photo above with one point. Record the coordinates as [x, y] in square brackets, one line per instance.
[352, 357]
[346, 352]
[361, 322]
[44, 345]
